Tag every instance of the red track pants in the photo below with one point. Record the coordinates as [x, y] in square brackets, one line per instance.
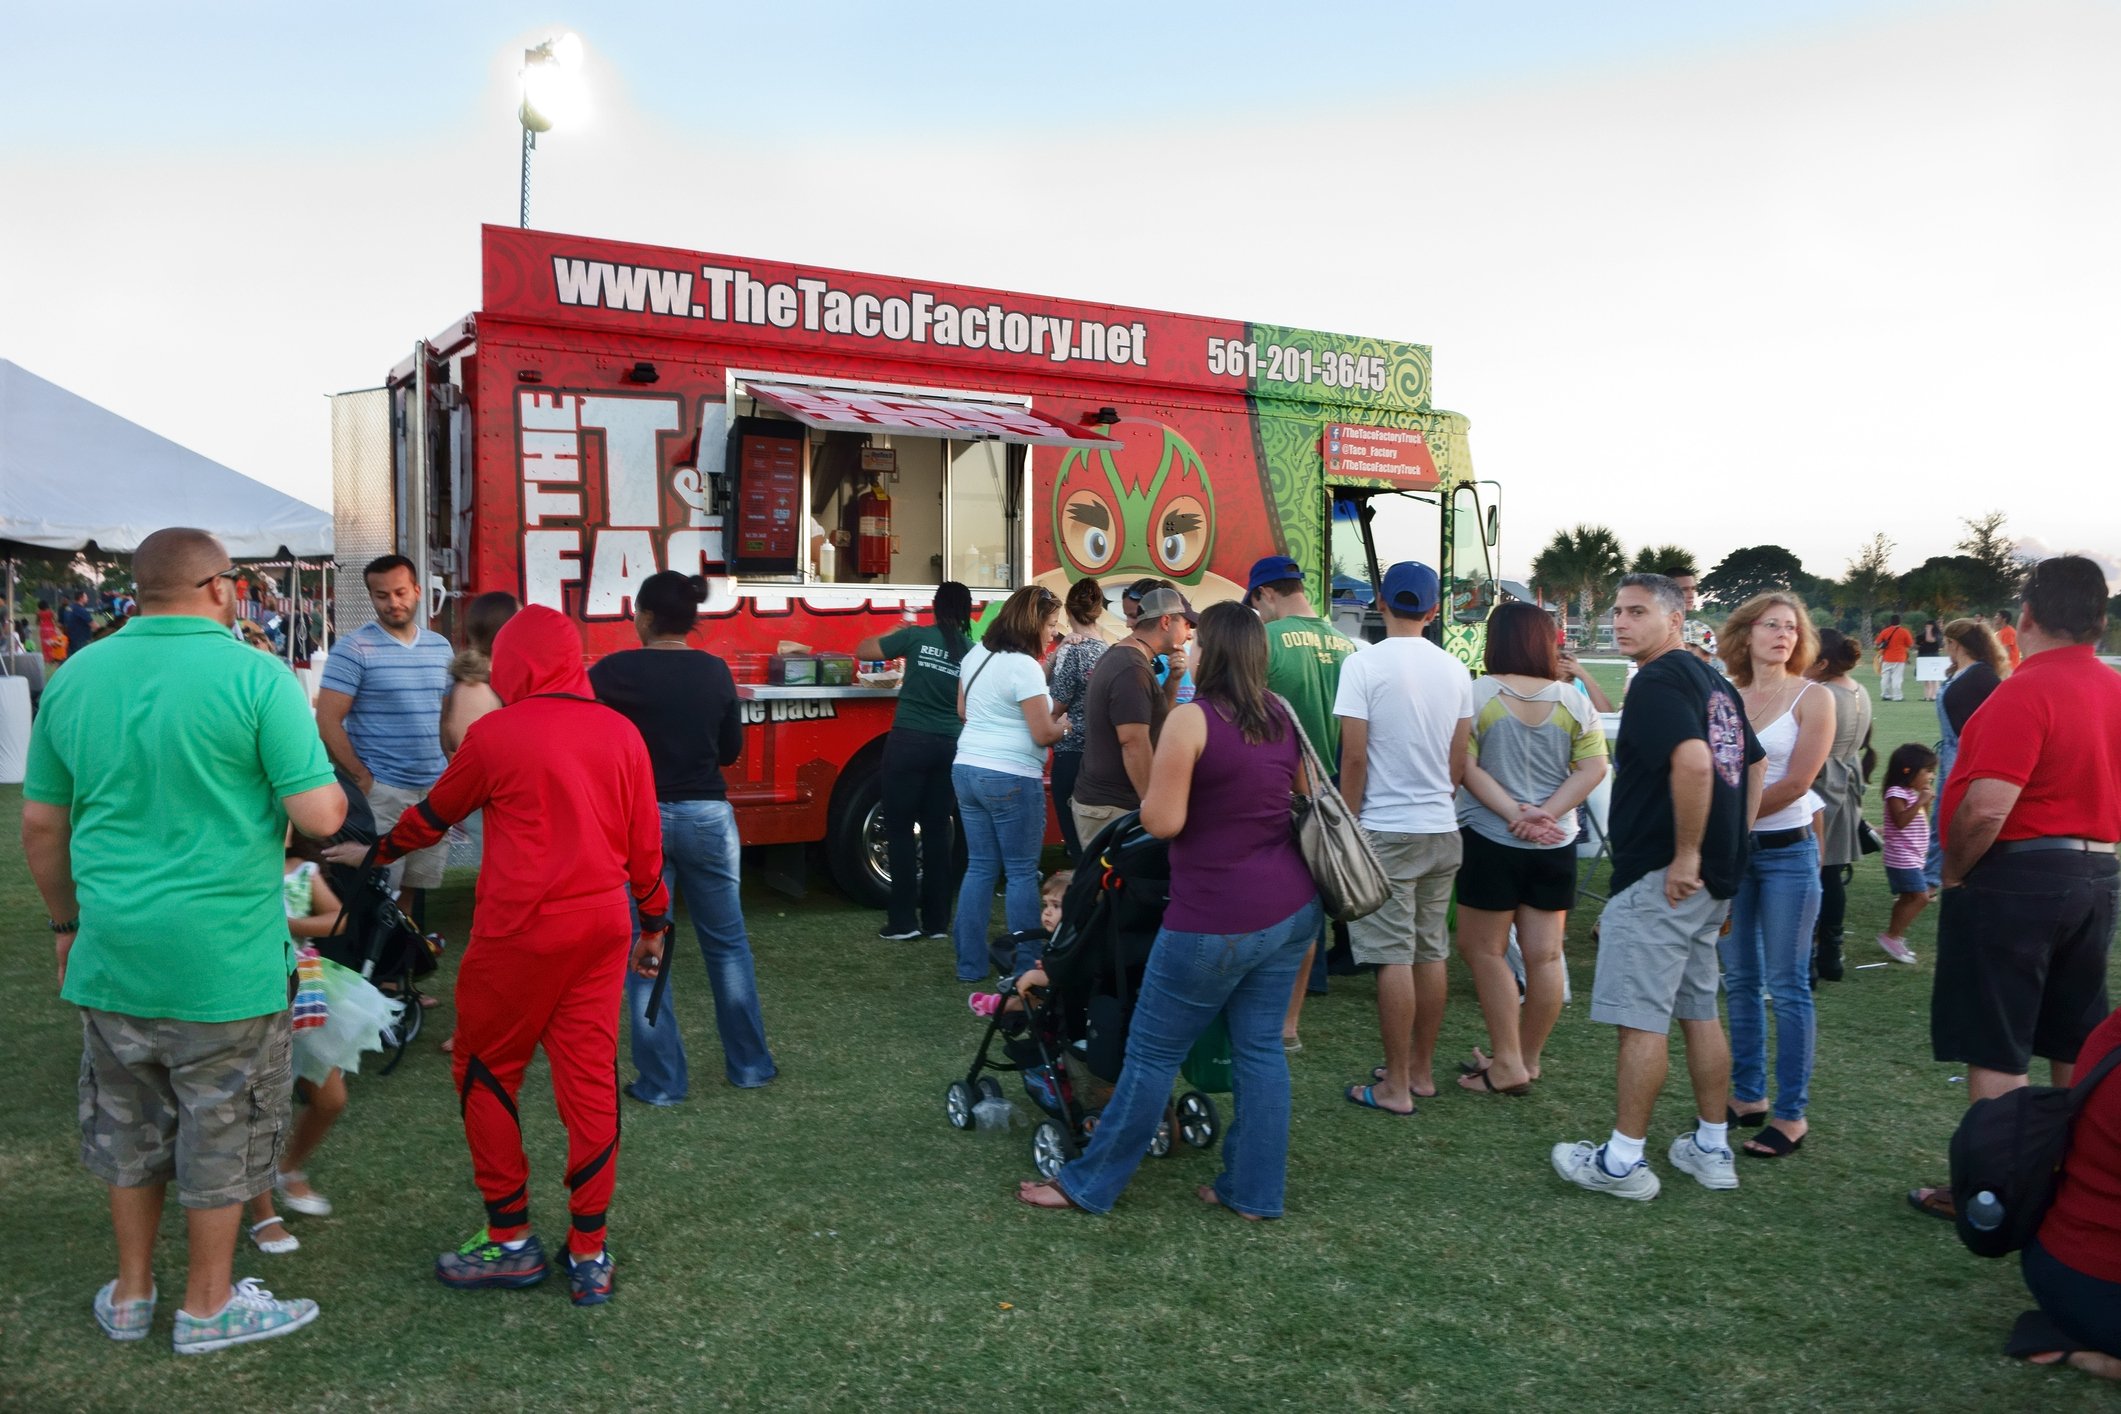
[559, 986]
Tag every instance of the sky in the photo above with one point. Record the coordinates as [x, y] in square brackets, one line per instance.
[1707, 274]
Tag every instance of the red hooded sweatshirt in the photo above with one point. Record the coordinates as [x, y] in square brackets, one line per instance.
[566, 785]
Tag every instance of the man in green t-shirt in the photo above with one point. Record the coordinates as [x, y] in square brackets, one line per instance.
[164, 767]
[1304, 654]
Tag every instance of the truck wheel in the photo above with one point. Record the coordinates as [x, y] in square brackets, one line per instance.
[855, 845]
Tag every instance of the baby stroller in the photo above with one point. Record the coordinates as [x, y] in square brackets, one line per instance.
[374, 938]
[1094, 964]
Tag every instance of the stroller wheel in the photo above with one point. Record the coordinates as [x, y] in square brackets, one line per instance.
[1051, 1146]
[957, 1104]
[1160, 1142]
[398, 1038]
[1198, 1123]
[989, 1088]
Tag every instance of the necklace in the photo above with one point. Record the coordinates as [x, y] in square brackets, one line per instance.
[1763, 717]
[668, 643]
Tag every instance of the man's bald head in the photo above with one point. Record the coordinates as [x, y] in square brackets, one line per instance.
[170, 563]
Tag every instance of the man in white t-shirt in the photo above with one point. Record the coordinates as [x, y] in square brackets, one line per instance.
[1406, 715]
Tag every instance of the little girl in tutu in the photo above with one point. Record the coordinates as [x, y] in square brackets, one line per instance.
[337, 1015]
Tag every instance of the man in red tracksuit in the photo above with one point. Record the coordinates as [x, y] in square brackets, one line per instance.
[571, 835]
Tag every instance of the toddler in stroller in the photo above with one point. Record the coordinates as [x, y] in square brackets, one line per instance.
[1079, 1000]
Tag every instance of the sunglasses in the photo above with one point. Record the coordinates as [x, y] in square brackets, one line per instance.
[230, 573]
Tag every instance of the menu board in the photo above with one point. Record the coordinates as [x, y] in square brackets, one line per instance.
[769, 495]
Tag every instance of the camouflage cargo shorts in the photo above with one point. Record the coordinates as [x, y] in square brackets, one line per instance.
[203, 1102]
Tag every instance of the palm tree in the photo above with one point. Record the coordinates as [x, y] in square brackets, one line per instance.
[1656, 559]
[1583, 563]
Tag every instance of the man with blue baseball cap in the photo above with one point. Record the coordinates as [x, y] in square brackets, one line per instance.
[1304, 654]
[1406, 718]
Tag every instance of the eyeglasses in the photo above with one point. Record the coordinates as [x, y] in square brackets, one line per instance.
[230, 573]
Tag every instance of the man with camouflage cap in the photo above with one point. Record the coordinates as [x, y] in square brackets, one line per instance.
[164, 768]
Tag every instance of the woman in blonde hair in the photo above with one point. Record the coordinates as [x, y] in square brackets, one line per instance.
[1767, 645]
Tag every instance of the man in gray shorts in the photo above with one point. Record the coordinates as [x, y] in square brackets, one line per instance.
[379, 710]
[163, 769]
[1406, 715]
[1686, 785]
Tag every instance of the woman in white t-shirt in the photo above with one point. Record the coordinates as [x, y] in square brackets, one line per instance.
[999, 773]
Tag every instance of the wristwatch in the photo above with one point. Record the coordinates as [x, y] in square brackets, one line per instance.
[71, 925]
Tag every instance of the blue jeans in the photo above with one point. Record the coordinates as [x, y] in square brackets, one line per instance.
[700, 862]
[1770, 947]
[1004, 819]
[1190, 979]
[1933, 862]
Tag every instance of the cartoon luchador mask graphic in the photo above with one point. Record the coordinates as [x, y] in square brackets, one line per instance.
[1144, 508]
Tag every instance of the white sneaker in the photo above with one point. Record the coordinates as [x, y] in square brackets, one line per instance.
[310, 1205]
[1712, 1168]
[1579, 1164]
[1896, 949]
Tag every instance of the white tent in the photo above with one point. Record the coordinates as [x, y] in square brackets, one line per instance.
[72, 473]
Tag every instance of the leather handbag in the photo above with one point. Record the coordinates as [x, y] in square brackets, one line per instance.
[1345, 868]
[1867, 839]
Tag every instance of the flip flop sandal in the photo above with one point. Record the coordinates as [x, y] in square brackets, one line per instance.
[1774, 1144]
[1746, 1121]
[1066, 1203]
[1378, 1074]
[1475, 1067]
[1934, 1202]
[1488, 1084]
[1364, 1097]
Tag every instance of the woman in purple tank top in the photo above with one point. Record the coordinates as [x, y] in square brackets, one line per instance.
[1243, 913]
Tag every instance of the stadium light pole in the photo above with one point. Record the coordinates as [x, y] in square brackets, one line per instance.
[551, 93]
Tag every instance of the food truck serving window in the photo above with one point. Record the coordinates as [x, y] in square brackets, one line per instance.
[881, 486]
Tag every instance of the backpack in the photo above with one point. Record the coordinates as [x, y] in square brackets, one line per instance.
[2012, 1147]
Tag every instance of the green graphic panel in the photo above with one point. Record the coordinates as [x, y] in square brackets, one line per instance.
[1305, 365]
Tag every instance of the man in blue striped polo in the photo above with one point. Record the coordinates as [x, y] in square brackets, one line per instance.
[379, 710]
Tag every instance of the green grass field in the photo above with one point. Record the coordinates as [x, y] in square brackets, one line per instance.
[829, 1242]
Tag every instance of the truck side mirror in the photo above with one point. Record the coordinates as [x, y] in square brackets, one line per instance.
[1494, 525]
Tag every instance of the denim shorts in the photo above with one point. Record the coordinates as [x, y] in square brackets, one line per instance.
[1906, 880]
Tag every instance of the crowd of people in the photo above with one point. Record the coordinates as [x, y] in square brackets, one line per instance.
[1735, 815]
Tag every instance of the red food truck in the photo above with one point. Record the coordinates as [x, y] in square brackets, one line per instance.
[825, 447]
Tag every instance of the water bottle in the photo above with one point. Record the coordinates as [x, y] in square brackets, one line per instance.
[1985, 1213]
[993, 1113]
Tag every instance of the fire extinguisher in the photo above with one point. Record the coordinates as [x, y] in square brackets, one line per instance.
[872, 538]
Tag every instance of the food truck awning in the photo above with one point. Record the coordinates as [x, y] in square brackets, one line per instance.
[857, 410]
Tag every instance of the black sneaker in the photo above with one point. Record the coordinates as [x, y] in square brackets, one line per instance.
[898, 935]
[589, 1283]
[482, 1262]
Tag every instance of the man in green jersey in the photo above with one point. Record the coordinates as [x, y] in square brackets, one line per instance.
[1304, 654]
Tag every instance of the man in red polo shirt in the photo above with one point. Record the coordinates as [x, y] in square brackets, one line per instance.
[2031, 881]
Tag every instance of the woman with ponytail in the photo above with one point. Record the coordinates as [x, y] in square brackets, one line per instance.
[917, 759]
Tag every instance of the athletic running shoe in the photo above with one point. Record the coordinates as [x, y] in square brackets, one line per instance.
[482, 1262]
[898, 935]
[1896, 948]
[1581, 1164]
[1712, 1168]
[124, 1320]
[252, 1313]
[589, 1282]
